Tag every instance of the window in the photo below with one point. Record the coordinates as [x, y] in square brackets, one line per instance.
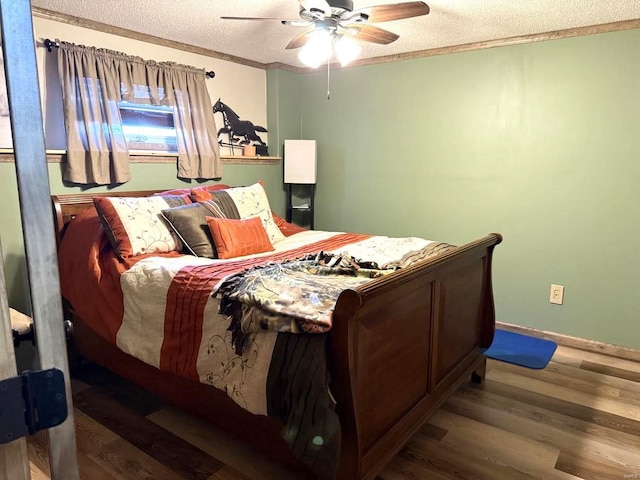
[113, 130]
[148, 128]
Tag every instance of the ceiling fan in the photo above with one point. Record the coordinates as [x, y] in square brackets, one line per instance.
[339, 19]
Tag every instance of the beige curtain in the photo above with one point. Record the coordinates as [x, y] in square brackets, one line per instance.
[95, 80]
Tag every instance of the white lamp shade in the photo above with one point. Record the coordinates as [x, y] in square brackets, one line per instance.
[300, 165]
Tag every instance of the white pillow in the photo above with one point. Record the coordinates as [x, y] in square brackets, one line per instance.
[135, 225]
[251, 201]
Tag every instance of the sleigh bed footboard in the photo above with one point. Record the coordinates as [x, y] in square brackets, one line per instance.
[402, 344]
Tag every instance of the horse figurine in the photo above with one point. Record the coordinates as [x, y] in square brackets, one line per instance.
[239, 132]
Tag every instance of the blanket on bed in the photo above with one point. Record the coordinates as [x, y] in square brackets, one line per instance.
[300, 295]
[294, 296]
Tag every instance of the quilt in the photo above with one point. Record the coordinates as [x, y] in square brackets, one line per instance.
[236, 324]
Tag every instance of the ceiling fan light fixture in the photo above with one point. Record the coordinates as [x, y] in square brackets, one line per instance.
[347, 49]
[317, 50]
[333, 20]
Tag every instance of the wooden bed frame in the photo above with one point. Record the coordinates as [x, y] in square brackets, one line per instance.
[400, 345]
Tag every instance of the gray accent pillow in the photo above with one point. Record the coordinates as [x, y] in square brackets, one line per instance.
[188, 221]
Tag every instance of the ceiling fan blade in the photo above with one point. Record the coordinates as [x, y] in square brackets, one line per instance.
[297, 23]
[261, 19]
[394, 11]
[299, 40]
[294, 23]
[321, 5]
[369, 33]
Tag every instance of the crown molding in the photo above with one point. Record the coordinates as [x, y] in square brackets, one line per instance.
[286, 67]
[503, 42]
[143, 37]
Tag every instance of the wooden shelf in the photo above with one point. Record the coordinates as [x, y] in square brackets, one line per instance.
[261, 157]
[256, 160]
[58, 156]
[303, 212]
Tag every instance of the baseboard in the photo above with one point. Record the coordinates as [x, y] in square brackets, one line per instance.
[625, 353]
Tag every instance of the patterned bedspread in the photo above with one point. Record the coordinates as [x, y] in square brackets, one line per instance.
[294, 296]
[300, 295]
[277, 307]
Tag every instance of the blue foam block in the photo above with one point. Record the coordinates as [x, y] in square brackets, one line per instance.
[530, 352]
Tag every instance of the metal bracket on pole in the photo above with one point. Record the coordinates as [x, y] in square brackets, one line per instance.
[31, 402]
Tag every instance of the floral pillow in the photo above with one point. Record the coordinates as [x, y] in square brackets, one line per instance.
[252, 201]
[135, 225]
[242, 202]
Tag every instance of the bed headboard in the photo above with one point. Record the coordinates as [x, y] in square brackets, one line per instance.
[66, 207]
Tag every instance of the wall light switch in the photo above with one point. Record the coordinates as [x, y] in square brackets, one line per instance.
[557, 294]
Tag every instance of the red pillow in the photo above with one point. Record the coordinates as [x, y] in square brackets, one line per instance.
[176, 191]
[285, 227]
[235, 238]
[201, 194]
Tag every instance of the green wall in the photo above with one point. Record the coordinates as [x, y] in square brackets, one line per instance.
[284, 90]
[538, 142]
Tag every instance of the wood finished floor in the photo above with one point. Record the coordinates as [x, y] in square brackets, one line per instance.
[577, 419]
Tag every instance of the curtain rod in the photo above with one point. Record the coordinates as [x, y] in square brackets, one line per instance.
[51, 44]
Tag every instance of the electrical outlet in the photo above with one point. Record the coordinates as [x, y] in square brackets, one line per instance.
[557, 294]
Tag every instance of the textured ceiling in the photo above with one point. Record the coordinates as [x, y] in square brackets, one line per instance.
[451, 22]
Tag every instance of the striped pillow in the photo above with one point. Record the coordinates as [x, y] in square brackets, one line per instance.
[236, 238]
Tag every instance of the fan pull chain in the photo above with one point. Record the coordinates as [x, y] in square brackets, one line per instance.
[328, 78]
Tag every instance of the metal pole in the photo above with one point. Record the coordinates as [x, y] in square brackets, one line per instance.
[37, 220]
